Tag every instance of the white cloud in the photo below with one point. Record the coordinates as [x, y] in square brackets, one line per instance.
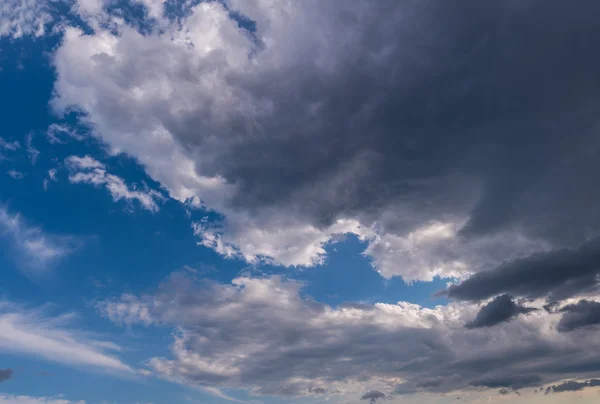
[90, 171]
[34, 250]
[12, 146]
[23, 17]
[56, 132]
[38, 334]
[51, 177]
[14, 399]
[17, 175]
[31, 150]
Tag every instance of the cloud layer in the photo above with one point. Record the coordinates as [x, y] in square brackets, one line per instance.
[263, 335]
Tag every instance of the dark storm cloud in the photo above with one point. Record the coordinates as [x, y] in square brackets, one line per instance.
[501, 309]
[373, 396]
[568, 386]
[475, 89]
[556, 275]
[5, 374]
[582, 314]
[428, 108]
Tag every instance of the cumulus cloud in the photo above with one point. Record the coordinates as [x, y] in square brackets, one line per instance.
[405, 117]
[87, 170]
[500, 309]
[261, 334]
[33, 249]
[39, 334]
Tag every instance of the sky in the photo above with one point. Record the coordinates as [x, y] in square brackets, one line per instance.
[279, 201]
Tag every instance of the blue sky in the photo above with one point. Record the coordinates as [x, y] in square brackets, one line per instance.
[267, 202]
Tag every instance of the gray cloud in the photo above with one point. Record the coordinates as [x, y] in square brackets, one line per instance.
[557, 275]
[506, 392]
[373, 396]
[499, 310]
[261, 334]
[567, 386]
[582, 314]
[5, 374]
[409, 113]
[508, 381]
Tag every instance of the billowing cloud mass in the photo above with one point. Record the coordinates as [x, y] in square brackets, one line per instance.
[263, 335]
[35, 332]
[454, 140]
[383, 120]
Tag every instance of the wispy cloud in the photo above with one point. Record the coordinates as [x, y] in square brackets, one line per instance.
[37, 333]
[51, 177]
[11, 399]
[31, 150]
[17, 175]
[4, 144]
[90, 171]
[33, 249]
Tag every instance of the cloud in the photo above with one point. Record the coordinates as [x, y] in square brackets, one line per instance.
[572, 385]
[5, 374]
[90, 171]
[566, 273]
[34, 250]
[56, 132]
[31, 150]
[501, 309]
[17, 175]
[266, 129]
[263, 335]
[24, 17]
[373, 396]
[6, 145]
[12, 399]
[507, 380]
[51, 177]
[584, 313]
[36, 333]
